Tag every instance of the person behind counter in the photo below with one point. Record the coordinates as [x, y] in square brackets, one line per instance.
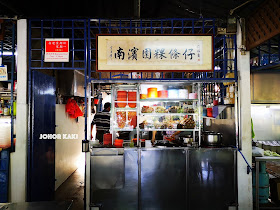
[102, 121]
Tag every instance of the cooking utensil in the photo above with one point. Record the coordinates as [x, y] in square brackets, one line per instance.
[210, 138]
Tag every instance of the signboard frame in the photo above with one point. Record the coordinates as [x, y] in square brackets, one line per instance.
[4, 74]
[98, 60]
[64, 54]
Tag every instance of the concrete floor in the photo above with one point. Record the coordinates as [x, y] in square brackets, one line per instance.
[72, 189]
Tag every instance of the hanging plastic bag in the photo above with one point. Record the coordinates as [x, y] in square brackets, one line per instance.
[73, 109]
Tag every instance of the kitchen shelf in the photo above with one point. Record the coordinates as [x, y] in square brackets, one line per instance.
[126, 102]
[166, 100]
[124, 129]
[173, 114]
[209, 117]
[126, 109]
[169, 129]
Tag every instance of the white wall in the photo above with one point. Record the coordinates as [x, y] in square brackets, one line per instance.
[68, 152]
[18, 164]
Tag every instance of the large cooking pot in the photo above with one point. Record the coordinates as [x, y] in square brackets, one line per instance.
[210, 138]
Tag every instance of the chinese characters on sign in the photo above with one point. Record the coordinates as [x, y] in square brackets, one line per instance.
[3, 73]
[154, 53]
[125, 52]
[56, 50]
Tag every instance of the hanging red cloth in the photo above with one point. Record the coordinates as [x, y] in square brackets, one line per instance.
[73, 109]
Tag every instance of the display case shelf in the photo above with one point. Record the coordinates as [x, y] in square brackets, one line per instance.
[172, 114]
[169, 129]
[166, 100]
[124, 129]
[126, 109]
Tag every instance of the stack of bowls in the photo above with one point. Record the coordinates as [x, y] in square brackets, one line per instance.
[132, 97]
[121, 96]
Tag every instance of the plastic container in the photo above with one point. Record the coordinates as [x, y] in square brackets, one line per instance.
[121, 96]
[143, 96]
[132, 119]
[209, 112]
[215, 111]
[215, 102]
[204, 112]
[152, 93]
[183, 93]
[162, 94]
[173, 93]
[121, 119]
[192, 95]
[118, 143]
[107, 139]
[132, 97]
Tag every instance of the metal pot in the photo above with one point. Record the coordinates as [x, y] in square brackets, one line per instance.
[210, 138]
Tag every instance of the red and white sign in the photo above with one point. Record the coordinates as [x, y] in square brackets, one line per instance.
[56, 50]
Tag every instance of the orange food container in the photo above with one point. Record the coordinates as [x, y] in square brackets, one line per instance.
[107, 139]
[163, 94]
[143, 96]
[121, 96]
[152, 93]
[118, 143]
[132, 97]
[132, 118]
[121, 119]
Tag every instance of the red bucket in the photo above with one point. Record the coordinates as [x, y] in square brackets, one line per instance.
[209, 112]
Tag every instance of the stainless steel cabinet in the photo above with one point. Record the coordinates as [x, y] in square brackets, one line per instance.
[211, 179]
[163, 179]
[114, 179]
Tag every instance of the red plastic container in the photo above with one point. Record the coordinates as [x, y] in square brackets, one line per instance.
[132, 97]
[96, 101]
[132, 118]
[209, 112]
[107, 139]
[162, 94]
[118, 143]
[121, 96]
[215, 102]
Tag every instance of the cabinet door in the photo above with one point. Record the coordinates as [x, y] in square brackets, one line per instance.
[163, 179]
[114, 181]
[211, 179]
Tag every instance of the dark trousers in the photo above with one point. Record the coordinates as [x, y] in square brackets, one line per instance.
[99, 135]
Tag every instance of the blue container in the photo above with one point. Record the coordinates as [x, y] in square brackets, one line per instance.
[263, 184]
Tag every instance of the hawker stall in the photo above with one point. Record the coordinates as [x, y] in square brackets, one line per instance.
[174, 125]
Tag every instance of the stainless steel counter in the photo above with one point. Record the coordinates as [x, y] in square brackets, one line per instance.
[44, 205]
[163, 178]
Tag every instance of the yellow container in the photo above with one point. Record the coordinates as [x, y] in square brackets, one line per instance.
[152, 93]
[143, 96]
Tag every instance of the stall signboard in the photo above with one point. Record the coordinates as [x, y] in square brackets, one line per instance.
[3, 73]
[154, 53]
[56, 50]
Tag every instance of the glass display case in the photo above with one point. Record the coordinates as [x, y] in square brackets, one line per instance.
[146, 107]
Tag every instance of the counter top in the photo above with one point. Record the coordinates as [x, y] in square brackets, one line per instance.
[99, 151]
[267, 158]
